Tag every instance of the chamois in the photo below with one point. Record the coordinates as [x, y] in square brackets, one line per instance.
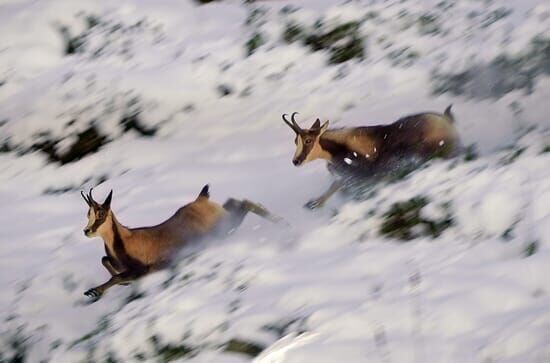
[133, 252]
[374, 151]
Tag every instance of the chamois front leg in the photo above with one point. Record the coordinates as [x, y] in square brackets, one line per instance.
[118, 279]
[320, 201]
[107, 262]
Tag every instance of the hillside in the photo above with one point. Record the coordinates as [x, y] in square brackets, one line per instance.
[156, 99]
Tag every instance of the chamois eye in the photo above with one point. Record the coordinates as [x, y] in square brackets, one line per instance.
[307, 141]
[100, 214]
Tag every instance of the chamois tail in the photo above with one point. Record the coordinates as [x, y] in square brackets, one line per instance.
[205, 192]
[449, 114]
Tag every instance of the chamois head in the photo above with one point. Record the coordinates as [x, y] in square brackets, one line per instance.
[307, 140]
[97, 213]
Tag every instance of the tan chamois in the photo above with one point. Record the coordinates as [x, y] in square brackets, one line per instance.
[134, 252]
[374, 151]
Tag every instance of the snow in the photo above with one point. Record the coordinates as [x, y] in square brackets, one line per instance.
[331, 287]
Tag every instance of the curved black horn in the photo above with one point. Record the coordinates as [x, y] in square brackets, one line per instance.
[90, 197]
[294, 126]
[284, 118]
[292, 118]
[85, 199]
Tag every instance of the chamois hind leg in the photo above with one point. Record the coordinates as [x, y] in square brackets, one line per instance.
[320, 201]
[239, 208]
[261, 211]
[118, 279]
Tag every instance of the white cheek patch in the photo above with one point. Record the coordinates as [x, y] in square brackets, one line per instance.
[299, 146]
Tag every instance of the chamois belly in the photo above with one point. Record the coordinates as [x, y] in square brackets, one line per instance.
[151, 251]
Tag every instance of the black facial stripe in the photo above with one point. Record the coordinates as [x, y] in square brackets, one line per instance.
[98, 222]
[306, 149]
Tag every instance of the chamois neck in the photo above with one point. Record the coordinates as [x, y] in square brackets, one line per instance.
[123, 230]
[112, 230]
[332, 144]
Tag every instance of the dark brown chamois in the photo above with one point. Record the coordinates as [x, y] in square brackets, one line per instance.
[133, 252]
[374, 151]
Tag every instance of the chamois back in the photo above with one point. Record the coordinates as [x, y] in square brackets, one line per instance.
[192, 221]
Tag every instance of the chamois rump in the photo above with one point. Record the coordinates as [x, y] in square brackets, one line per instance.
[133, 252]
[372, 152]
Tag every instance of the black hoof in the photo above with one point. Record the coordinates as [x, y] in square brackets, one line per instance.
[93, 293]
[313, 204]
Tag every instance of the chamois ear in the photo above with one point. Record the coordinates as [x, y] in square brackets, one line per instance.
[205, 192]
[316, 124]
[324, 127]
[107, 203]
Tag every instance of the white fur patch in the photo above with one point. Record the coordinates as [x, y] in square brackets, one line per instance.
[299, 146]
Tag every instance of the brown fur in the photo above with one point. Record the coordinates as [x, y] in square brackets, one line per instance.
[133, 252]
[155, 245]
[354, 139]
[423, 135]
[376, 150]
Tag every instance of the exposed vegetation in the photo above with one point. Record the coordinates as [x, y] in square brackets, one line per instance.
[495, 16]
[531, 248]
[284, 327]
[470, 153]
[71, 188]
[255, 20]
[513, 155]
[87, 142]
[131, 120]
[403, 57]
[18, 345]
[102, 36]
[256, 17]
[343, 42]
[429, 24]
[224, 90]
[404, 220]
[102, 325]
[293, 32]
[169, 353]
[504, 74]
[81, 143]
[243, 347]
[255, 41]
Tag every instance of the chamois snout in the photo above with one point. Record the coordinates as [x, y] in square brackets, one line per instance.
[87, 232]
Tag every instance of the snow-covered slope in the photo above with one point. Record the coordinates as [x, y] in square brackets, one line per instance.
[154, 99]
